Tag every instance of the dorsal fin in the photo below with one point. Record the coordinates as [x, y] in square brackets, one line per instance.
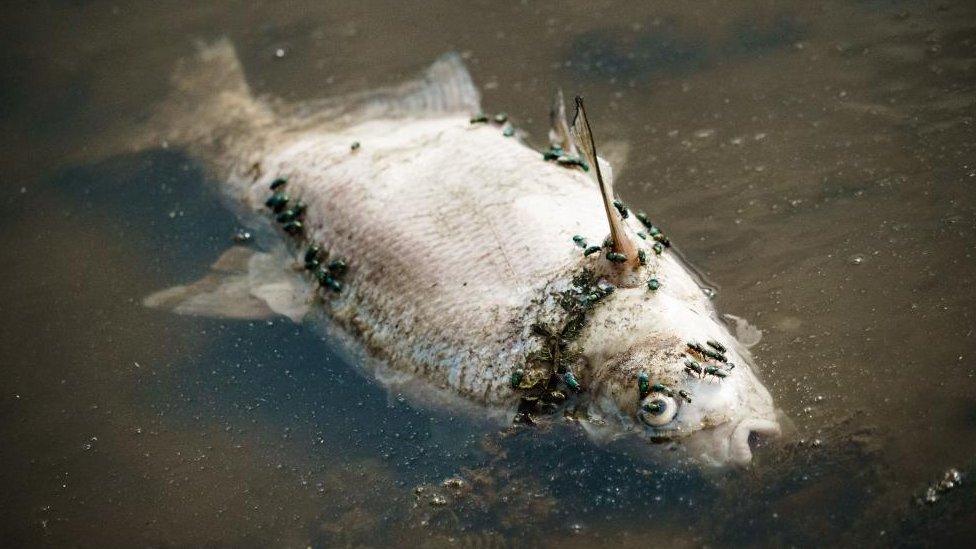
[559, 125]
[622, 243]
[445, 87]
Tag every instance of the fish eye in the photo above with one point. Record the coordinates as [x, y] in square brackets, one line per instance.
[657, 410]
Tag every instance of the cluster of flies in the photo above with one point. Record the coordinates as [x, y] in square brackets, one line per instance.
[500, 119]
[713, 351]
[645, 388]
[653, 233]
[290, 215]
[950, 480]
[548, 375]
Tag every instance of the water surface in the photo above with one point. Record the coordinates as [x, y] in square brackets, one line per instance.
[816, 162]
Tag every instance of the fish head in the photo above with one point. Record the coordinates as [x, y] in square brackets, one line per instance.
[649, 389]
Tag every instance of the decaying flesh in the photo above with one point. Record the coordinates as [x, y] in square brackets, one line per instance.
[459, 241]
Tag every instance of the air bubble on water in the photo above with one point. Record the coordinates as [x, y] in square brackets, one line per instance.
[856, 259]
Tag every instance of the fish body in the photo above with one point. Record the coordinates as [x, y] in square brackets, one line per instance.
[460, 253]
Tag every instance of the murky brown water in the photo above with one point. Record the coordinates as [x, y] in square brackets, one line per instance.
[817, 161]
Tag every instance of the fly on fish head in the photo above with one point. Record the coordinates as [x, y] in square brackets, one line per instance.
[668, 389]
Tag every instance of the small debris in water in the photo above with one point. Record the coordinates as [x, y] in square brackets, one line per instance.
[438, 501]
[951, 479]
[856, 259]
[453, 482]
[242, 236]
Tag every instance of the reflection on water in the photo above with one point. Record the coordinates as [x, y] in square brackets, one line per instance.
[816, 162]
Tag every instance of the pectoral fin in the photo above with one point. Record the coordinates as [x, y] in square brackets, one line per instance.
[242, 284]
[622, 242]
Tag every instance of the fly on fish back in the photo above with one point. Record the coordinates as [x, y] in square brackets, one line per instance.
[290, 216]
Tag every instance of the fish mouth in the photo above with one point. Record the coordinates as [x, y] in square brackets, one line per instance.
[747, 433]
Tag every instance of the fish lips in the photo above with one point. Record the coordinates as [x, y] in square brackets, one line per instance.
[740, 449]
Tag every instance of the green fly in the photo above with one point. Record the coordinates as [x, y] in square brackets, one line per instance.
[571, 382]
[338, 267]
[293, 227]
[663, 389]
[516, 378]
[624, 212]
[643, 385]
[277, 201]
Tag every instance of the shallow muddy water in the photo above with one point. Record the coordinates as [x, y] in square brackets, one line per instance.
[817, 164]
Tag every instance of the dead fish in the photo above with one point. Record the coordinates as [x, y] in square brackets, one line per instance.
[453, 236]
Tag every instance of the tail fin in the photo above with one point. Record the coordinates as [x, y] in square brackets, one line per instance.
[210, 100]
[210, 103]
